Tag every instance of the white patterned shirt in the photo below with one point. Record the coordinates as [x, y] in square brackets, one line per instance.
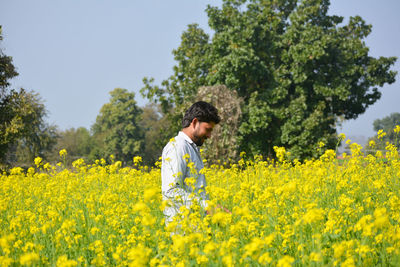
[181, 160]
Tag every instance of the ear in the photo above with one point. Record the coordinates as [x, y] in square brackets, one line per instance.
[195, 121]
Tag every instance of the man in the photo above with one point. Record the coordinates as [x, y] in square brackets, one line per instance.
[182, 181]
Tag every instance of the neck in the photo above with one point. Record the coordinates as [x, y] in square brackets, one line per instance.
[188, 132]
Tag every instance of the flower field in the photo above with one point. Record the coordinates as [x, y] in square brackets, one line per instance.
[323, 212]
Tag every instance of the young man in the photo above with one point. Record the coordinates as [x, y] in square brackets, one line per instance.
[181, 160]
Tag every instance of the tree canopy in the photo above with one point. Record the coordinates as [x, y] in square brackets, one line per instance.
[77, 142]
[388, 131]
[36, 137]
[116, 129]
[298, 70]
[7, 70]
[24, 133]
[387, 123]
[152, 121]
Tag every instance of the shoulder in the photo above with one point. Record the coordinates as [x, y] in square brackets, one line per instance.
[176, 145]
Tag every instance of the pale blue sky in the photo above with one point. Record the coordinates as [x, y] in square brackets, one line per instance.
[73, 53]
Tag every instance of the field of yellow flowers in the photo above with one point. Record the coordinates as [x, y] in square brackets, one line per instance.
[321, 212]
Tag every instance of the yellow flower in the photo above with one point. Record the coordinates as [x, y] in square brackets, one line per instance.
[390, 250]
[280, 153]
[186, 157]
[94, 230]
[381, 134]
[372, 143]
[201, 259]
[252, 249]
[38, 161]
[329, 155]
[397, 129]
[5, 261]
[210, 247]
[285, 261]
[47, 166]
[148, 220]
[63, 261]
[29, 258]
[314, 256]
[228, 261]
[378, 154]
[265, 259]
[381, 218]
[16, 171]
[151, 194]
[62, 153]
[137, 160]
[313, 215]
[116, 214]
[139, 256]
[221, 218]
[349, 262]
[363, 250]
[140, 207]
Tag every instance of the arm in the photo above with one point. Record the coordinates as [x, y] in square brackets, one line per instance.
[173, 173]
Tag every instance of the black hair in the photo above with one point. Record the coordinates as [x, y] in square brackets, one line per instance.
[203, 111]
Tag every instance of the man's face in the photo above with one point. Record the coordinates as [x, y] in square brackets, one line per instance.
[202, 131]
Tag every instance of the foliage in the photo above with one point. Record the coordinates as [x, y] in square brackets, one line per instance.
[317, 213]
[38, 137]
[152, 121]
[24, 134]
[9, 131]
[116, 130]
[298, 70]
[387, 129]
[77, 142]
[223, 144]
[388, 123]
[7, 72]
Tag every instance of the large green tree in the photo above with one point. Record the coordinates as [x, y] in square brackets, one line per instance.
[298, 70]
[116, 130]
[24, 134]
[36, 137]
[7, 103]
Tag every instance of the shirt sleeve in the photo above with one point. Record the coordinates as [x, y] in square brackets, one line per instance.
[174, 172]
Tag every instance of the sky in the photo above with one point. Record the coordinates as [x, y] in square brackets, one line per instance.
[73, 53]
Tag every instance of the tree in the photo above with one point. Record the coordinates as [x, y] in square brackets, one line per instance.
[152, 121]
[23, 132]
[116, 130]
[223, 144]
[29, 135]
[78, 143]
[8, 100]
[388, 123]
[298, 70]
[390, 133]
[7, 72]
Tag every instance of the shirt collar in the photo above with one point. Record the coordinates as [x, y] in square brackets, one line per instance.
[184, 136]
